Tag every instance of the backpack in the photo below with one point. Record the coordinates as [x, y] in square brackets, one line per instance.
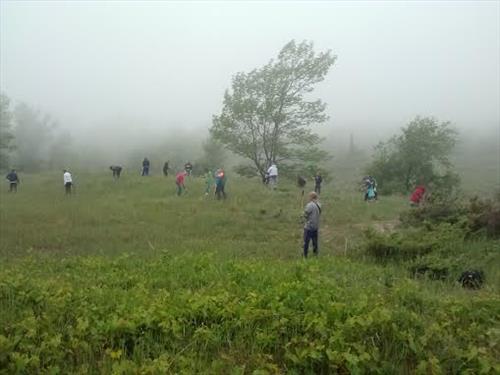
[471, 279]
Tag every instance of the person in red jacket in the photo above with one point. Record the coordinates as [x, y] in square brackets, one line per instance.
[417, 195]
[179, 181]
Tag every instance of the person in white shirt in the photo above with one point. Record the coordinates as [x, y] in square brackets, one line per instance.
[272, 172]
[68, 181]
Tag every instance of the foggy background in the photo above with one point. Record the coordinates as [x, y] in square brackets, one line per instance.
[130, 78]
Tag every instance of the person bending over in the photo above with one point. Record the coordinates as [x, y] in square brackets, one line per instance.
[117, 170]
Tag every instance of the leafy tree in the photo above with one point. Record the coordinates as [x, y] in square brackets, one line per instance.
[6, 135]
[33, 132]
[420, 153]
[214, 155]
[266, 117]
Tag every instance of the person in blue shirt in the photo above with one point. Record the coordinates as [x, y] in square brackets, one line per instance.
[220, 183]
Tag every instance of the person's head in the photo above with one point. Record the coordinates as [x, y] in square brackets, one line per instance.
[13, 170]
[65, 170]
[313, 196]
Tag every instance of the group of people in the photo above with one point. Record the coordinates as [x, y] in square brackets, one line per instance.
[318, 180]
[13, 180]
[146, 164]
[217, 179]
[216, 182]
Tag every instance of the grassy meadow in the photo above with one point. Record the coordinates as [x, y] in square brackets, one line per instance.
[126, 277]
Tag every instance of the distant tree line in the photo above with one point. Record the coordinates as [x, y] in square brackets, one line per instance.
[31, 140]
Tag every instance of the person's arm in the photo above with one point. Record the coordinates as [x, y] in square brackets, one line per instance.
[307, 211]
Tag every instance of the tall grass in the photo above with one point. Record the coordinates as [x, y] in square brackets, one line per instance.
[126, 277]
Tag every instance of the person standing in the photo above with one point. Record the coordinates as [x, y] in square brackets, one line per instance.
[312, 213]
[165, 168]
[145, 167]
[370, 188]
[317, 182]
[179, 182]
[13, 180]
[273, 175]
[209, 182]
[68, 181]
[188, 167]
[220, 184]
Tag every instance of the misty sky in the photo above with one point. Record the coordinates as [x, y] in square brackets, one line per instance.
[168, 63]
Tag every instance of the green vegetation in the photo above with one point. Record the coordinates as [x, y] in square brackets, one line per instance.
[268, 113]
[126, 277]
[420, 154]
[6, 136]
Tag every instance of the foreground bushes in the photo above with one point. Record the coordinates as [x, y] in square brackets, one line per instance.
[199, 314]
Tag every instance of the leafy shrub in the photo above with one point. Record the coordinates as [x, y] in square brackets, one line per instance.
[189, 314]
[475, 217]
[396, 246]
[484, 216]
[439, 207]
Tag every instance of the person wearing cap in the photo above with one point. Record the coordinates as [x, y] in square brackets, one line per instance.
[312, 213]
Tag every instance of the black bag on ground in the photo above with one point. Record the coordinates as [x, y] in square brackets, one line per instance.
[471, 279]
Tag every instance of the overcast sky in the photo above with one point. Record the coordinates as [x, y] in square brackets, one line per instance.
[168, 63]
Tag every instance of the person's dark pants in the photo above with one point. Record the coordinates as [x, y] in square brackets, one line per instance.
[308, 236]
[219, 192]
[180, 189]
[317, 189]
[67, 187]
[13, 187]
[145, 171]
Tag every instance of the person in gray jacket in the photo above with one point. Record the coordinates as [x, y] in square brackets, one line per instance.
[312, 213]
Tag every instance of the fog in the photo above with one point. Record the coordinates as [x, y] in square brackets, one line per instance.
[125, 74]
